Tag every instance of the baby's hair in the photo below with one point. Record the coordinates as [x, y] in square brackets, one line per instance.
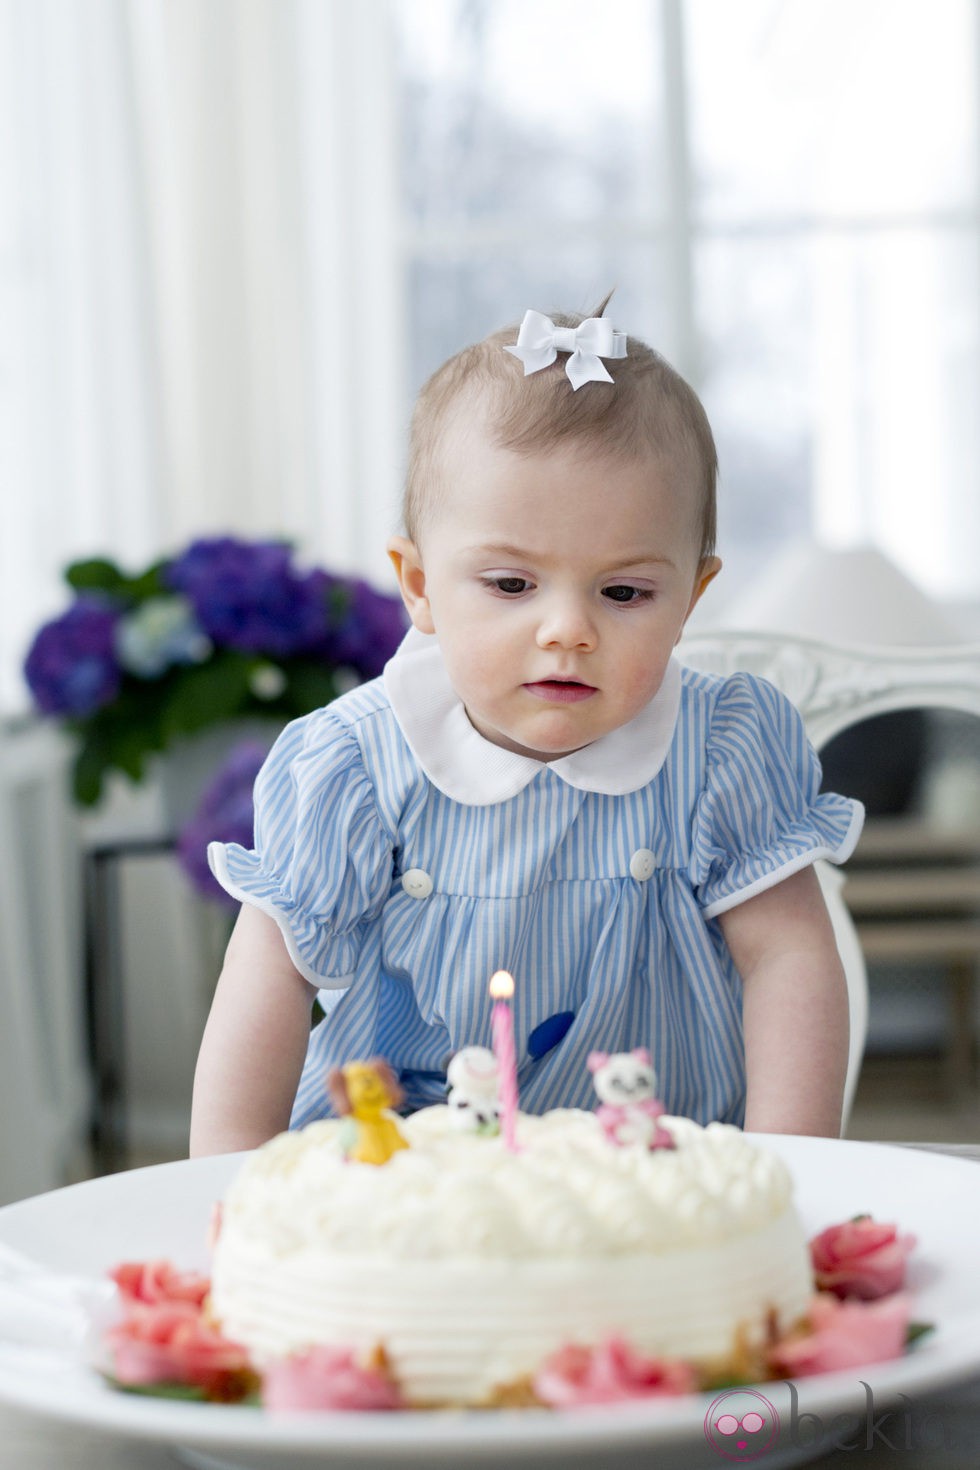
[647, 410]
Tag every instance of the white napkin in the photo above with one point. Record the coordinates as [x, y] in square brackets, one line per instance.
[51, 1309]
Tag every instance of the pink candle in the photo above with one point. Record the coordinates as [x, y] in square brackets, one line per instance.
[501, 989]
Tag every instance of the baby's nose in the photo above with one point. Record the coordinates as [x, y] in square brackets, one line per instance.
[566, 623]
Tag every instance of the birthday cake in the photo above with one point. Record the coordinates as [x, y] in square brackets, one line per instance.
[472, 1254]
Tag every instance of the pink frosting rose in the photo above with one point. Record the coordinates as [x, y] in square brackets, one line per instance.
[608, 1373]
[860, 1258]
[159, 1281]
[844, 1334]
[170, 1342]
[328, 1378]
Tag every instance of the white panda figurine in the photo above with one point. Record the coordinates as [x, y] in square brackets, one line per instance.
[473, 1076]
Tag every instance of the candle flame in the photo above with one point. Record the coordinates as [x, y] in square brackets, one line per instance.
[501, 985]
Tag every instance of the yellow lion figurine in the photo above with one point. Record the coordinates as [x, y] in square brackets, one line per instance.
[365, 1092]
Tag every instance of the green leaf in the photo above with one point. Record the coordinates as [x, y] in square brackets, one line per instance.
[309, 686]
[119, 737]
[187, 1392]
[915, 1330]
[206, 694]
[129, 747]
[91, 764]
[150, 583]
[338, 600]
[97, 574]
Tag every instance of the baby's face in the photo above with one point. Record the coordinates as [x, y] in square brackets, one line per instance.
[558, 585]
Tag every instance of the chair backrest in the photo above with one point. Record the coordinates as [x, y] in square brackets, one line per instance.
[835, 687]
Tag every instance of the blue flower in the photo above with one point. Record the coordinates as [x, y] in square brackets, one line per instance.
[368, 630]
[224, 814]
[265, 636]
[249, 596]
[159, 633]
[71, 667]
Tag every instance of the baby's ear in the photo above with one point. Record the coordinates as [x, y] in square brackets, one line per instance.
[708, 569]
[406, 559]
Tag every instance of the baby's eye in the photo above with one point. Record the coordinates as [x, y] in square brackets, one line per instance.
[510, 586]
[623, 593]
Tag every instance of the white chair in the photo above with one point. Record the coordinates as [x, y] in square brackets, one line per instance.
[832, 882]
[835, 687]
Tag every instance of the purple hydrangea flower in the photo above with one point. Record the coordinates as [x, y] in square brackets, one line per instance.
[225, 813]
[371, 627]
[249, 596]
[71, 667]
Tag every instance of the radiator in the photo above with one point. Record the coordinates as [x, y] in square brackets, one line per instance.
[44, 1088]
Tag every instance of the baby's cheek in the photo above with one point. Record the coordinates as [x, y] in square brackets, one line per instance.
[642, 678]
[481, 670]
[470, 675]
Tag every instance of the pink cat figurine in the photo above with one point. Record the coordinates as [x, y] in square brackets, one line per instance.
[629, 1112]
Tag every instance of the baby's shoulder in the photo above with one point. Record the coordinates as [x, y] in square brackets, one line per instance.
[364, 704]
[349, 752]
[360, 732]
[344, 720]
[743, 722]
[736, 711]
[702, 691]
[347, 733]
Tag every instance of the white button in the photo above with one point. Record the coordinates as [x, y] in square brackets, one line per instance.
[417, 883]
[642, 864]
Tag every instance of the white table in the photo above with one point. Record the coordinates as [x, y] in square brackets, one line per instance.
[942, 1428]
[26, 1444]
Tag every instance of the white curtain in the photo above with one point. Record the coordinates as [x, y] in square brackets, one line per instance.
[81, 451]
[198, 284]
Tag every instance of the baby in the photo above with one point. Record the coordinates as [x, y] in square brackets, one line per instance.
[536, 784]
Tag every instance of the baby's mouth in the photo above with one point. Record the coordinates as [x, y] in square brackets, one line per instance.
[561, 691]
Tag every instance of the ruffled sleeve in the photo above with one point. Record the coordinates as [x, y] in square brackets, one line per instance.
[322, 861]
[761, 816]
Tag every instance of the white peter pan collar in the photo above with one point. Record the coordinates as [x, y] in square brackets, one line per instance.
[473, 771]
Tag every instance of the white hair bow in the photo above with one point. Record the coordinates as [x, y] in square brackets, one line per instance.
[539, 342]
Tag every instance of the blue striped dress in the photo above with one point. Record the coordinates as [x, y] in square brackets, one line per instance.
[405, 858]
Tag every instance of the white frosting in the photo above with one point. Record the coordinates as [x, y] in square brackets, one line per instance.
[471, 1263]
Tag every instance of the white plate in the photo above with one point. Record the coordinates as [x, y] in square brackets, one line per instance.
[164, 1211]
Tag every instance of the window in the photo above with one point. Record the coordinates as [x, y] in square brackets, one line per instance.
[215, 316]
[786, 196]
